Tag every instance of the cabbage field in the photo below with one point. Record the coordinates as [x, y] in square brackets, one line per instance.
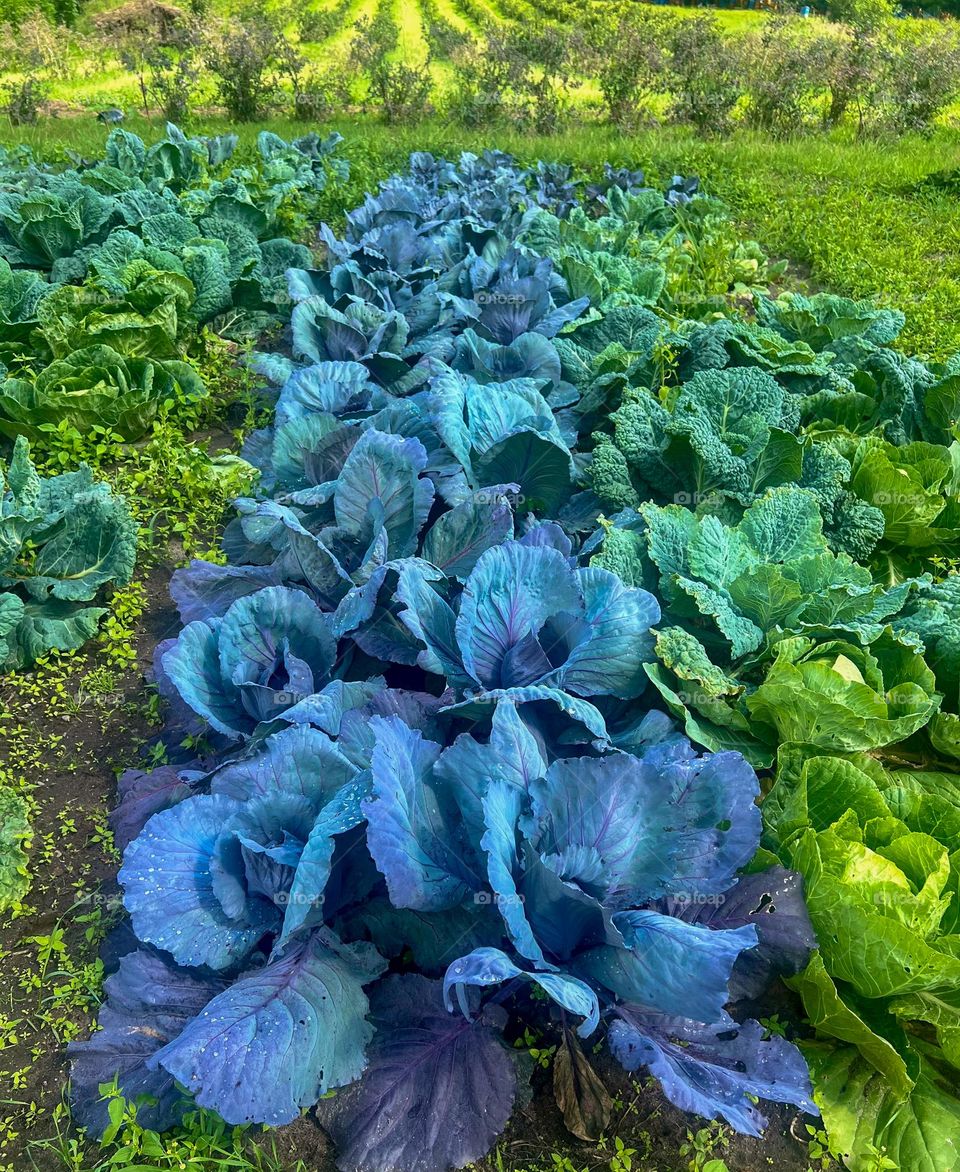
[521, 617]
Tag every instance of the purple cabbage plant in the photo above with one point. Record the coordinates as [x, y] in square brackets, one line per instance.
[427, 798]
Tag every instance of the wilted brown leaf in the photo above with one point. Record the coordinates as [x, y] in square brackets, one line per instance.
[580, 1094]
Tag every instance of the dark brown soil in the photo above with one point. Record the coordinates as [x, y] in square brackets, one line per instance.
[74, 744]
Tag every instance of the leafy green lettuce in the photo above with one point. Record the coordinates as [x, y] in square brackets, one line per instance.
[879, 851]
[96, 387]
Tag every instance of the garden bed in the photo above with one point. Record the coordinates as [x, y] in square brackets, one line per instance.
[653, 405]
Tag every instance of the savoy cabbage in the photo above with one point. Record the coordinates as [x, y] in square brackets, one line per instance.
[64, 540]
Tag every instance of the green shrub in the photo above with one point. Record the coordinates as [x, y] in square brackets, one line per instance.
[59, 11]
[443, 38]
[243, 56]
[486, 75]
[629, 61]
[397, 90]
[173, 75]
[865, 14]
[322, 94]
[786, 66]
[317, 25]
[921, 77]
[401, 92]
[23, 98]
[541, 91]
[705, 74]
[852, 76]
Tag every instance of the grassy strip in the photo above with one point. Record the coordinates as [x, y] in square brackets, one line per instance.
[411, 44]
[339, 42]
[520, 10]
[448, 10]
[730, 20]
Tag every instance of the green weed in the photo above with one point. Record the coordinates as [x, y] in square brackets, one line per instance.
[203, 1143]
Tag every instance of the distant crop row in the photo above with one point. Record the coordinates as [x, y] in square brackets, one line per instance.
[522, 65]
[105, 277]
